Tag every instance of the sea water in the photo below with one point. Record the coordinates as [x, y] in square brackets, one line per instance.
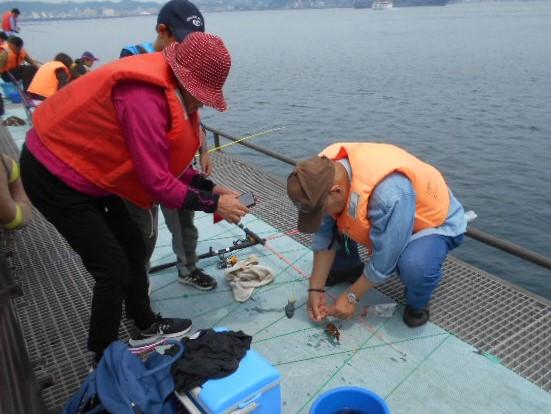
[465, 87]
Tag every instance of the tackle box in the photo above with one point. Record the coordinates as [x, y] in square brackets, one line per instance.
[253, 388]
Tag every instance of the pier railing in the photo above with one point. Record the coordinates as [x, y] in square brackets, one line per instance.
[472, 232]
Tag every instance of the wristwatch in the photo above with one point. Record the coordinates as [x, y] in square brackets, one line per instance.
[352, 298]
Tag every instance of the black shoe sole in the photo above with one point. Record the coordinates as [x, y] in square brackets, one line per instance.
[135, 343]
[196, 286]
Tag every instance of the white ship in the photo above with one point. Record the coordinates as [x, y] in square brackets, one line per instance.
[381, 4]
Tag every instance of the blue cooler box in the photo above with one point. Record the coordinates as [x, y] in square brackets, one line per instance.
[253, 388]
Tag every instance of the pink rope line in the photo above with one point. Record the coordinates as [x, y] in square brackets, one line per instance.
[281, 234]
[361, 320]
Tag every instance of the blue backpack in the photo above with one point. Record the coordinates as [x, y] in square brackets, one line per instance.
[123, 384]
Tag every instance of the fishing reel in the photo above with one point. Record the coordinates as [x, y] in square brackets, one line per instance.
[225, 262]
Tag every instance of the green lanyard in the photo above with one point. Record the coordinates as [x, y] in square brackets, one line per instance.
[346, 246]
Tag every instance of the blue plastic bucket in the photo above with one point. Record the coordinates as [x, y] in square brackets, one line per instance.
[10, 91]
[349, 400]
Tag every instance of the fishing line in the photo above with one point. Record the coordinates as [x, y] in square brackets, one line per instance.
[361, 321]
[417, 366]
[245, 138]
[354, 352]
[362, 348]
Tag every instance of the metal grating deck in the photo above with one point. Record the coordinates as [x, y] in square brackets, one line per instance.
[484, 311]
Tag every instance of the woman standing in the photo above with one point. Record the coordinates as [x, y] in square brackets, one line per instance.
[128, 130]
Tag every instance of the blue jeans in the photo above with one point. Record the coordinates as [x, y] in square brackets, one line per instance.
[419, 266]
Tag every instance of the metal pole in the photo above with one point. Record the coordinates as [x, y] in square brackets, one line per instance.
[472, 232]
[509, 247]
[216, 139]
[260, 149]
[158, 268]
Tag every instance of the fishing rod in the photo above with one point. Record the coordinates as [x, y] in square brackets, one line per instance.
[243, 139]
[251, 239]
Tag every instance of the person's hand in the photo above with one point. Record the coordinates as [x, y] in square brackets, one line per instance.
[221, 190]
[230, 208]
[206, 163]
[317, 306]
[12, 194]
[342, 308]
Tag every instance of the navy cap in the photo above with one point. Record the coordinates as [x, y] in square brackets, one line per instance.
[181, 17]
[88, 55]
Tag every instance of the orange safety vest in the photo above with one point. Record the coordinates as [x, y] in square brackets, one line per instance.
[371, 163]
[45, 81]
[14, 59]
[79, 124]
[6, 24]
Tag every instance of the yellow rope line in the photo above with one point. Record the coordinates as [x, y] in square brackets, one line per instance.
[246, 137]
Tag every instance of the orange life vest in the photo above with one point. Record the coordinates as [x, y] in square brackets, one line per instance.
[371, 163]
[79, 124]
[6, 24]
[14, 59]
[45, 82]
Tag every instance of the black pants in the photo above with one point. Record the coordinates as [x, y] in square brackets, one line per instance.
[24, 73]
[101, 231]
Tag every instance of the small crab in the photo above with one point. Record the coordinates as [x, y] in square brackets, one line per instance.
[332, 330]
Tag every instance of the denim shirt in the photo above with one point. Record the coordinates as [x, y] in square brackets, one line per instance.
[392, 215]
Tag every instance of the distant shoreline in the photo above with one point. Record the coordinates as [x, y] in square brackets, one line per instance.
[58, 19]
[52, 19]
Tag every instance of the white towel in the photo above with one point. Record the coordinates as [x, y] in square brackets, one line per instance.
[246, 275]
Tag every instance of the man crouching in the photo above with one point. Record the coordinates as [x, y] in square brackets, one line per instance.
[382, 197]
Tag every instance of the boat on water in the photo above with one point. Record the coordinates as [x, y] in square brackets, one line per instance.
[382, 4]
[485, 350]
[385, 4]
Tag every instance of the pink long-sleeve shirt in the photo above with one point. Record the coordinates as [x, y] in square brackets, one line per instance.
[144, 116]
